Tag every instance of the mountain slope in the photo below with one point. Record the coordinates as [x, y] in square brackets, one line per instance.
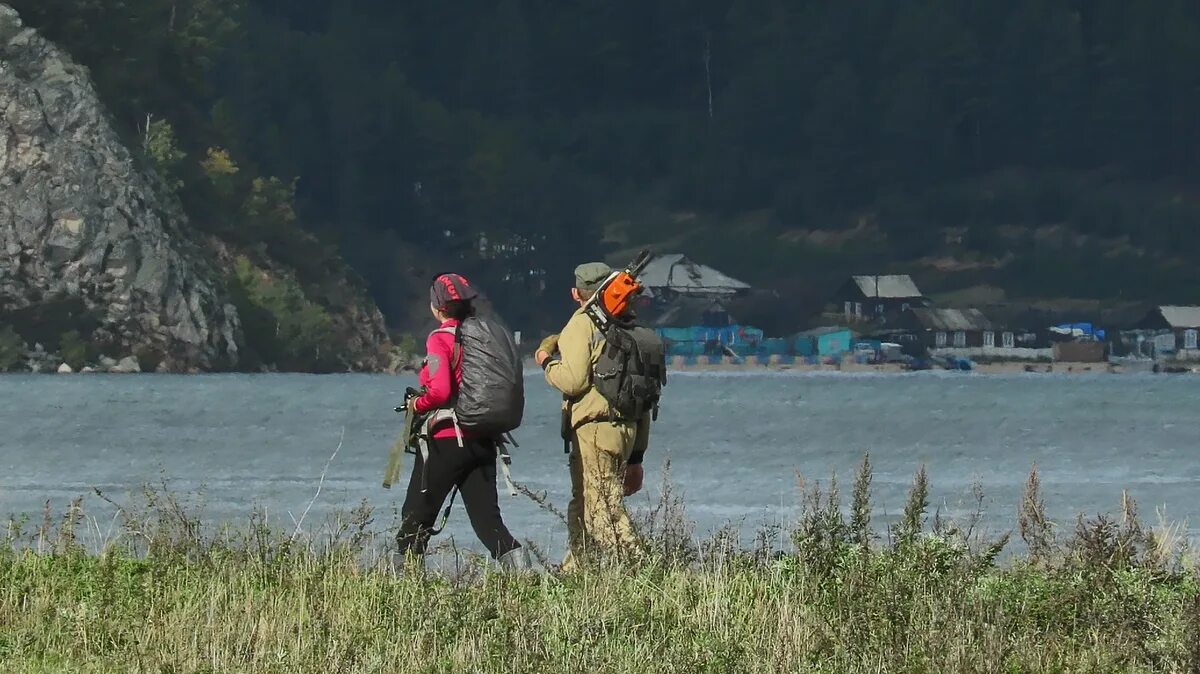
[97, 259]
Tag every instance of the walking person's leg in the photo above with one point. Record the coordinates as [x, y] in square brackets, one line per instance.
[597, 464]
[576, 531]
[478, 488]
[420, 510]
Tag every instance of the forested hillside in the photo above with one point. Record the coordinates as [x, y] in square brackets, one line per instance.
[1046, 147]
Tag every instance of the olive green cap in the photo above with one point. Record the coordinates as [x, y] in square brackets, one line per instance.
[589, 276]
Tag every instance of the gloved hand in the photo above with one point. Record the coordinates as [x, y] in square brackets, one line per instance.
[633, 479]
[410, 398]
[549, 345]
[410, 393]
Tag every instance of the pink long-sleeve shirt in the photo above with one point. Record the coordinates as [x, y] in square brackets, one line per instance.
[440, 365]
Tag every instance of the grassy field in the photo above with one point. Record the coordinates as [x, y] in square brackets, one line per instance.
[831, 596]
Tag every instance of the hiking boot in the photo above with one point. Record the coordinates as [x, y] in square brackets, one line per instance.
[408, 563]
[517, 560]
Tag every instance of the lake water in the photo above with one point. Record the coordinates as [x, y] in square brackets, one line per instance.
[736, 443]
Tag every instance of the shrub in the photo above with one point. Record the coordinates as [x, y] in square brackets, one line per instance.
[161, 147]
[281, 325]
[12, 348]
[75, 350]
[148, 357]
[221, 170]
[407, 344]
[270, 206]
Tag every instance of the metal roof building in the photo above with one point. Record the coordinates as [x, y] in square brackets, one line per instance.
[892, 286]
[1170, 318]
[952, 320]
[1181, 317]
[667, 274]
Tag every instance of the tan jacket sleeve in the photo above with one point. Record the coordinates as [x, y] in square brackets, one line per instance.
[572, 372]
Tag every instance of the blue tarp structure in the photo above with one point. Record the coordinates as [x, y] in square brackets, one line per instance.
[1081, 330]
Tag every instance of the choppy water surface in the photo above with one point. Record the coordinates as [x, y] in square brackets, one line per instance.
[736, 443]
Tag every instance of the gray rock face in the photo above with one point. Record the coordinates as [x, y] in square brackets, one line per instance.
[128, 365]
[79, 220]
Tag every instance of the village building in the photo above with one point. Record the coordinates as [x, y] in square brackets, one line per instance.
[688, 305]
[955, 328]
[828, 341]
[878, 297]
[965, 333]
[1167, 332]
[682, 293]
[674, 277]
[689, 311]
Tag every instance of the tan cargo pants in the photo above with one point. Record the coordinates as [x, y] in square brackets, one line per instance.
[597, 522]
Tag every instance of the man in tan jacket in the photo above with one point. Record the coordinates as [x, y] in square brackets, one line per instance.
[606, 451]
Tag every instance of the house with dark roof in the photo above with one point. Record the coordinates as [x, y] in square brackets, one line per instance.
[956, 328]
[878, 297]
[1167, 331]
[964, 332]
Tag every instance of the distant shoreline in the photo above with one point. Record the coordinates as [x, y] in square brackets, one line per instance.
[751, 365]
[896, 368]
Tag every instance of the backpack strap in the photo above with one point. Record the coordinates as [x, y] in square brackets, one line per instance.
[441, 416]
[502, 444]
[456, 353]
[423, 448]
[456, 356]
[447, 413]
[445, 513]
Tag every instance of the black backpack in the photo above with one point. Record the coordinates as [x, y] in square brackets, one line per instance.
[490, 401]
[631, 371]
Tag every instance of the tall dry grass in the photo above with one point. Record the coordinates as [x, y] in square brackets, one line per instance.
[1109, 594]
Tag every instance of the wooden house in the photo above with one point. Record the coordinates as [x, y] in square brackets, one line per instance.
[1173, 330]
[951, 328]
[878, 297]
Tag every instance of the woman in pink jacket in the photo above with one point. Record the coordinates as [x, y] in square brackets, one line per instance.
[457, 460]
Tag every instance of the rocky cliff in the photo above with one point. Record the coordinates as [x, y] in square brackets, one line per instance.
[89, 244]
[81, 228]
